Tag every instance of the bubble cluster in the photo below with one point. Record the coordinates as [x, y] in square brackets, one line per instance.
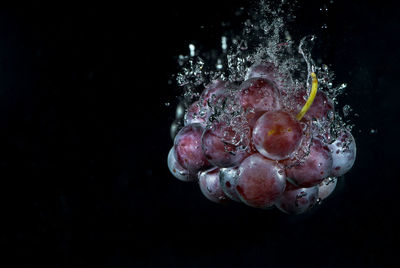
[253, 128]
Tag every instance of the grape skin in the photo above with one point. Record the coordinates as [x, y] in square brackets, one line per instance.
[210, 186]
[188, 151]
[297, 201]
[200, 110]
[343, 153]
[228, 179]
[214, 88]
[196, 114]
[176, 169]
[314, 168]
[326, 187]
[321, 107]
[261, 181]
[276, 135]
[220, 148]
[259, 95]
[268, 70]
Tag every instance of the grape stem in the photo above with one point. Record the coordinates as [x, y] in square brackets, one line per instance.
[310, 99]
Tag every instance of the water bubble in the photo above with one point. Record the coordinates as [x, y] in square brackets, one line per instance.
[192, 50]
[179, 113]
[346, 110]
[223, 43]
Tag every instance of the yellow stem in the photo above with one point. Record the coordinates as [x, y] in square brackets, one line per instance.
[310, 99]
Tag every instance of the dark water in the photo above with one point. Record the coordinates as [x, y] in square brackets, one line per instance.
[85, 136]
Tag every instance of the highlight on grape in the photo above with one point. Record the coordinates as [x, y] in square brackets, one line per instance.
[260, 125]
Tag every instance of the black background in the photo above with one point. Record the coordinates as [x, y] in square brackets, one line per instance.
[84, 137]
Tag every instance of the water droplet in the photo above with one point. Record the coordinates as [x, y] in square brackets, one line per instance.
[192, 50]
[346, 110]
[223, 43]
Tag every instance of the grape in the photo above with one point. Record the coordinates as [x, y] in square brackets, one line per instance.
[267, 70]
[261, 181]
[277, 135]
[262, 135]
[314, 168]
[297, 201]
[343, 153]
[196, 113]
[212, 91]
[176, 169]
[321, 108]
[259, 94]
[262, 70]
[199, 111]
[187, 145]
[326, 187]
[228, 178]
[256, 96]
[211, 187]
[223, 146]
[252, 117]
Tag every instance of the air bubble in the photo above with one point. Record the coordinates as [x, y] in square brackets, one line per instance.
[346, 110]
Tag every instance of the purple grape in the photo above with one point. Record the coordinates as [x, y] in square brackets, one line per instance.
[222, 145]
[261, 181]
[188, 151]
[196, 114]
[259, 94]
[276, 135]
[210, 186]
[297, 201]
[326, 187]
[314, 168]
[343, 153]
[176, 169]
[228, 178]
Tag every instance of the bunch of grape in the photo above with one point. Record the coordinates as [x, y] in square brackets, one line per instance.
[253, 143]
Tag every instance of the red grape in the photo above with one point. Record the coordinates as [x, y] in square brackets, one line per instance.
[187, 145]
[343, 153]
[261, 181]
[277, 135]
[200, 110]
[314, 168]
[297, 201]
[196, 113]
[176, 169]
[259, 94]
[321, 108]
[212, 90]
[326, 187]
[210, 185]
[223, 146]
[213, 96]
[228, 179]
[262, 70]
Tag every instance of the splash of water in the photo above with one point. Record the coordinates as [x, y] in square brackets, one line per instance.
[264, 38]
